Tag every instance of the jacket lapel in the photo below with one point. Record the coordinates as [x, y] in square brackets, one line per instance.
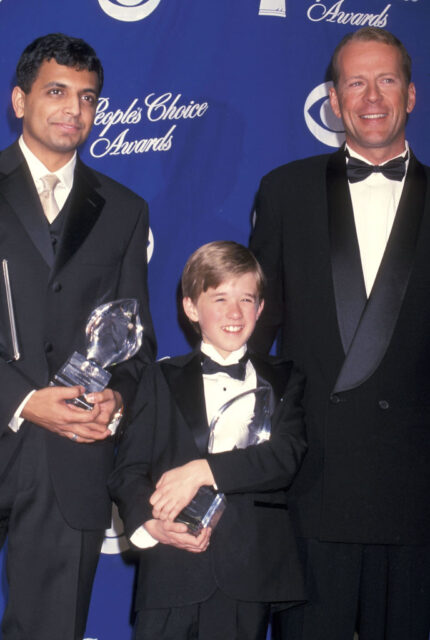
[269, 373]
[185, 380]
[382, 310]
[348, 281]
[17, 187]
[83, 208]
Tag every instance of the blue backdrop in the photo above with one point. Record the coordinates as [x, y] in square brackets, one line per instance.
[200, 100]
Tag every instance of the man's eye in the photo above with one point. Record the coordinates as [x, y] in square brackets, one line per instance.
[90, 99]
[55, 92]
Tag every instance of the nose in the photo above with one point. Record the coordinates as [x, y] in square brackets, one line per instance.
[72, 105]
[373, 92]
[234, 310]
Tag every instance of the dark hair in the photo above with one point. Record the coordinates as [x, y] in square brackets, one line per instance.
[368, 34]
[65, 50]
[215, 262]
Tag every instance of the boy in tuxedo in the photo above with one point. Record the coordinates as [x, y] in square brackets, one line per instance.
[220, 584]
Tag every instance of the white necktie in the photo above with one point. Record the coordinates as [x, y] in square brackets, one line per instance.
[47, 198]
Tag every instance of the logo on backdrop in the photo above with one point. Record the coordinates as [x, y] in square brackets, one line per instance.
[275, 8]
[171, 109]
[129, 10]
[337, 12]
[115, 540]
[320, 119]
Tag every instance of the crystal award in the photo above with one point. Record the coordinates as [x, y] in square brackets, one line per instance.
[113, 334]
[242, 421]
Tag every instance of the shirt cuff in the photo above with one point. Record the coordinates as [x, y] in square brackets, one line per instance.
[142, 539]
[16, 420]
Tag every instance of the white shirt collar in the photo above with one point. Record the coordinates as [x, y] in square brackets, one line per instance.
[354, 154]
[232, 358]
[37, 169]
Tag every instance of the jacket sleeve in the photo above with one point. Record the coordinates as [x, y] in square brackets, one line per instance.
[130, 484]
[272, 464]
[133, 284]
[266, 245]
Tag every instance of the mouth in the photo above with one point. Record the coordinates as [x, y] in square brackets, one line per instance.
[231, 328]
[373, 116]
[68, 126]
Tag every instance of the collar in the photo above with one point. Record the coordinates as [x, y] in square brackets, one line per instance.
[354, 154]
[232, 358]
[37, 169]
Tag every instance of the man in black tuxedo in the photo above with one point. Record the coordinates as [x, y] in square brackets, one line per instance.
[344, 240]
[89, 248]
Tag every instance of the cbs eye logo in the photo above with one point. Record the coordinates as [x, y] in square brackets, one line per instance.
[320, 119]
[129, 10]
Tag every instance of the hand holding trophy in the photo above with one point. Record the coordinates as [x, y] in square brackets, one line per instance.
[242, 421]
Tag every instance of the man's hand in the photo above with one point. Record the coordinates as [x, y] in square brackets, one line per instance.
[177, 487]
[48, 408]
[108, 401]
[176, 534]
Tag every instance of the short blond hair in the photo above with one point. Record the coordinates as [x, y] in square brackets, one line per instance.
[216, 262]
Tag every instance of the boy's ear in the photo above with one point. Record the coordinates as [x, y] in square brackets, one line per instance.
[260, 308]
[190, 309]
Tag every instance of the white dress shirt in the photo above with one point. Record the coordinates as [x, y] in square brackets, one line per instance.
[374, 201]
[38, 170]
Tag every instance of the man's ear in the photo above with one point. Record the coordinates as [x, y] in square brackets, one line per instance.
[18, 102]
[411, 97]
[334, 102]
[190, 309]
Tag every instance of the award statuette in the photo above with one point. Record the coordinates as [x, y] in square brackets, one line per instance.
[242, 421]
[113, 334]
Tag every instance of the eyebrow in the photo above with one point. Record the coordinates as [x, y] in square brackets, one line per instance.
[62, 85]
[224, 293]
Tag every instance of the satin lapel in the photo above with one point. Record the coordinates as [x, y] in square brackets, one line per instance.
[185, 380]
[379, 319]
[348, 281]
[269, 372]
[83, 208]
[18, 189]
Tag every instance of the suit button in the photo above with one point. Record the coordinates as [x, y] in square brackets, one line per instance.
[56, 287]
[384, 404]
[334, 398]
[48, 347]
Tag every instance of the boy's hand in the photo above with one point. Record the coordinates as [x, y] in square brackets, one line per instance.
[177, 487]
[176, 534]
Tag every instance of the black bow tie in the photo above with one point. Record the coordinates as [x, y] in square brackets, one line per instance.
[357, 170]
[236, 370]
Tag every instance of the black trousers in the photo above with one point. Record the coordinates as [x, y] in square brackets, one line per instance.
[50, 566]
[381, 591]
[218, 618]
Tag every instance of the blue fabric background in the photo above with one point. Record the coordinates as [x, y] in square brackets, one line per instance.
[254, 68]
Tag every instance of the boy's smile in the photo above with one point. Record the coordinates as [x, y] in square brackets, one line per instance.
[227, 314]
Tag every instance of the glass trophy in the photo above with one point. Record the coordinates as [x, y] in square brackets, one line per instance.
[113, 334]
[242, 421]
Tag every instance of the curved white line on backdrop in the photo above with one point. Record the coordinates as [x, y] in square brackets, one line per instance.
[129, 10]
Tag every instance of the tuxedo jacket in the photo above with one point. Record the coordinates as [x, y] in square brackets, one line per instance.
[100, 256]
[252, 555]
[366, 477]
